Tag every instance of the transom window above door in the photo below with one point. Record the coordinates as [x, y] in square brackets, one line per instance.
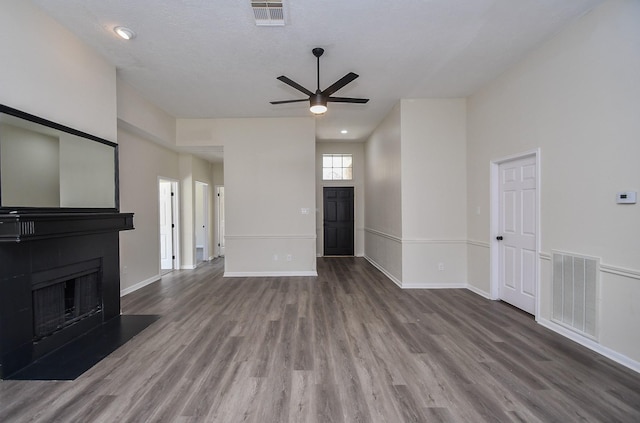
[337, 167]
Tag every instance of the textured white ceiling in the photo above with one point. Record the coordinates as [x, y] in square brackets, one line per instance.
[208, 59]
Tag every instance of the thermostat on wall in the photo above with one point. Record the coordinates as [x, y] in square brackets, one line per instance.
[627, 197]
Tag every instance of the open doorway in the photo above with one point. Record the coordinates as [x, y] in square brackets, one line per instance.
[168, 202]
[202, 222]
[219, 206]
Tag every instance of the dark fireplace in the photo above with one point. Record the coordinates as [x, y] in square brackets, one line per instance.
[59, 279]
[59, 258]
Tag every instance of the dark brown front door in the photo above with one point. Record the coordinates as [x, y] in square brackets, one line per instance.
[338, 221]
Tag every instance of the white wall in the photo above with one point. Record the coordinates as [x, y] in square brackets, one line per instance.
[416, 194]
[48, 72]
[383, 212]
[138, 115]
[143, 131]
[434, 200]
[187, 214]
[356, 149]
[192, 170]
[577, 98]
[142, 162]
[269, 174]
[217, 171]
[203, 172]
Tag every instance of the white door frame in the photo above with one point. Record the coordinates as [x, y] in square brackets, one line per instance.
[175, 186]
[495, 224]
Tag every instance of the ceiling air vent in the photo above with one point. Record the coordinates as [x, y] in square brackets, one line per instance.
[268, 13]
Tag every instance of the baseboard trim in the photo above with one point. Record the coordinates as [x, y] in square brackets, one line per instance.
[383, 270]
[420, 285]
[479, 292]
[139, 285]
[270, 274]
[188, 267]
[592, 345]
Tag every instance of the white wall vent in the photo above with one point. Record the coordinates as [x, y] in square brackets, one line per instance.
[575, 292]
[268, 13]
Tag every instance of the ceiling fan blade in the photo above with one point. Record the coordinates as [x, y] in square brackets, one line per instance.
[288, 101]
[339, 84]
[294, 85]
[348, 100]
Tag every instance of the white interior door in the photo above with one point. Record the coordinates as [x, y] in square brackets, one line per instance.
[220, 220]
[166, 225]
[517, 246]
[202, 221]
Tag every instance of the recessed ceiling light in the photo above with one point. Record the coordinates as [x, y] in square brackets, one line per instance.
[124, 32]
[344, 131]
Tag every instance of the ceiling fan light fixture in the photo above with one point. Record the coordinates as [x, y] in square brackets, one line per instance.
[318, 109]
[318, 104]
[124, 32]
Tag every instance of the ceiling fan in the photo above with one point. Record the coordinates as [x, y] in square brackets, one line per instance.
[318, 100]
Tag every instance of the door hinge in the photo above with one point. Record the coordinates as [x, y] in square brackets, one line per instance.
[218, 194]
[173, 226]
[173, 257]
[218, 244]
[172, 194]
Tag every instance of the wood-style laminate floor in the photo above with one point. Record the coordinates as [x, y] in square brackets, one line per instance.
[347, 346]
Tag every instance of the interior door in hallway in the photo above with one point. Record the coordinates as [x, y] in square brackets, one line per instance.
[338, 221]
[167, 241]
[220, 221]
[517, 233]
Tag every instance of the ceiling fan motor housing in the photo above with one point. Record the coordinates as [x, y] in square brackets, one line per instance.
[318, 98]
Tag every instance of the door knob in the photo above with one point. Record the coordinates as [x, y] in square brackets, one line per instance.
[499, 238]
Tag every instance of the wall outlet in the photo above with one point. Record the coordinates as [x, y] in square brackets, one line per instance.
[441, 266]
[289, 257]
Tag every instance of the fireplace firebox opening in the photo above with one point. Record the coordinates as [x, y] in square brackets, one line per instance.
[64, 296]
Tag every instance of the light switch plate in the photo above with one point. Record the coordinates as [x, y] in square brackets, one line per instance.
[626, 197]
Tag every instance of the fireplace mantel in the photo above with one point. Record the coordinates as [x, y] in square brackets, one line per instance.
[39, 245]
[20, 227]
